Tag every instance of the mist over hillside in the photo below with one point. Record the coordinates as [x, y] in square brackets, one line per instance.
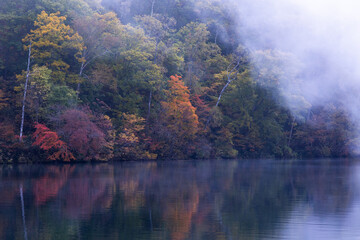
[178, 79]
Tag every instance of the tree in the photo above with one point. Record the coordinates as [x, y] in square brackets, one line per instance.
[50, 142]
[219, 19]
[196, 50]
[38, 90]
[7, 134]
[157, 27]
[62, 97]
[202, 108]
[179, 111]
[85, 137]
[180, 122]
[152, 7]
[327, 132]
[135, 70]
[131, 142]
[15, 24]
[52, 43]
[3, 100]
[25, 91]
[238, 68]
[232, 72]
[98, 32]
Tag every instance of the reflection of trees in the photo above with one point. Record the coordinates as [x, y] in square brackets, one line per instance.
[89, 190]
[264, 194]
[168, 200]
[179, 210]
[49, 185]
[327, 195]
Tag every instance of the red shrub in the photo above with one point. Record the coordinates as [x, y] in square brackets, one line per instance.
[48, 140]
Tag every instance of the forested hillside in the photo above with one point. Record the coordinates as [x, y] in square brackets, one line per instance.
[91, 80]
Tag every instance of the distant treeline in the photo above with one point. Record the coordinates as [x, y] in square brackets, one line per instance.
[155, 79]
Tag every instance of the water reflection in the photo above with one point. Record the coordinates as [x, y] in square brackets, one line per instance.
[183, 200]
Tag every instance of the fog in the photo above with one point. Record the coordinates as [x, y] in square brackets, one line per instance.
[323, 35]
[323, 39]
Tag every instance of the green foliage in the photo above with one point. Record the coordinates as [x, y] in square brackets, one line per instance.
[38, 91]
[224, 107]
[62, 96]
[193, 44]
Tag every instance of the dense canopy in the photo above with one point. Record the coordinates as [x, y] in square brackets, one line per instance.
[129, 80]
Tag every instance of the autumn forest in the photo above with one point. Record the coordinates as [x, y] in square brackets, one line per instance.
[89, 80]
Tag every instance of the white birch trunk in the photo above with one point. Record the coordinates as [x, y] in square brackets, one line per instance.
[24, 98]
[231, 76]
[152, 7]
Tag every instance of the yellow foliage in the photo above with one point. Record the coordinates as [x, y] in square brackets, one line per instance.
[51, 40]
[60, 65]
[129, 142]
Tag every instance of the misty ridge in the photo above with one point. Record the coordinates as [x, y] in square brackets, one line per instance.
[178, 79]
[320, 45]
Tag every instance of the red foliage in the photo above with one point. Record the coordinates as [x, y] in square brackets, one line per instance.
[83, 135]
[49, 141]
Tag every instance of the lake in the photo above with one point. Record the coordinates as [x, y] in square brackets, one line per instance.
[227, 199]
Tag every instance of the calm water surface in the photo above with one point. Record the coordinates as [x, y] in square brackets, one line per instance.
[182, 200]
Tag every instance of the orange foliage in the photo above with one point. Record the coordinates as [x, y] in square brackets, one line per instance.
[49, 141]
[179, 112]
[202, 109]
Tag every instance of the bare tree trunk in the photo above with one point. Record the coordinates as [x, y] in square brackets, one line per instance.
[222, 91]
[190, 73]
[217, 34]
[291, 130]
[85, 63]
[80, 74]
[149, 106]
[24, 98]
[152, 7]
[231, 76]
[150, 94]
[308, 116]
[37, 112]
[156, 50]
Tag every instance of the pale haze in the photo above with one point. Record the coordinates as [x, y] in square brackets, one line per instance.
[322, 35]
